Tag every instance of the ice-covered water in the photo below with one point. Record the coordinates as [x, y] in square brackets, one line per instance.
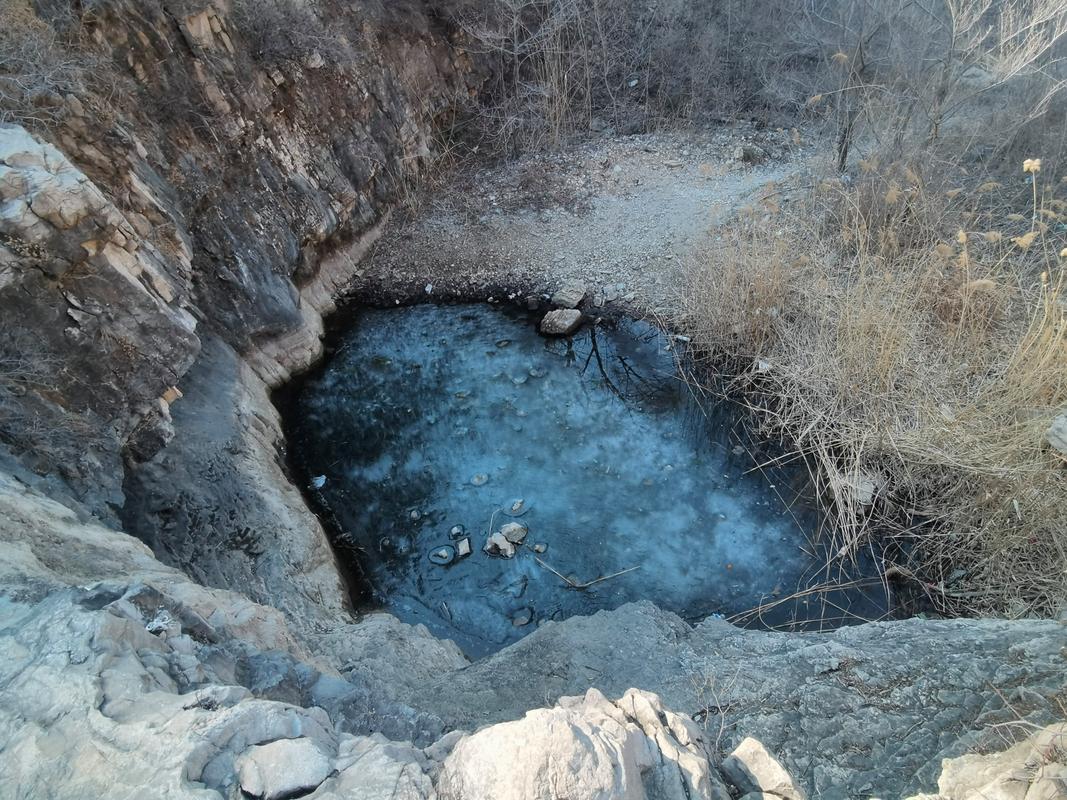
[432, 417]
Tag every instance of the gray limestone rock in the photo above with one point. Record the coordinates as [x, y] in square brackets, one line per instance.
[570, 294]
[281, 769]
[754, 770]
[561, 322]
[585, 748]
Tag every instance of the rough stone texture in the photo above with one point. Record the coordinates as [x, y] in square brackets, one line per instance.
[120, 675]
[753, 770]
[50, 556]
[561, 322]
[585, 748]
[282, 769]
[200, 190]
[93, 328]
[570, 294]
[216, 504]
[1034, 769]
[1057, 434]
[868, 710]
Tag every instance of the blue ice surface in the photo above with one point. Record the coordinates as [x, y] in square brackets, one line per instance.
[616, 464]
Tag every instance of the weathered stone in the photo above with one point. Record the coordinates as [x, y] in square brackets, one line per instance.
[749, 154]
[282, 769]
[1057, 434]
[498, 545]
[810, 701]
[751, 768]
[1033, 769]
[514, 532]
[561, 322]
[585, 748]
[570, 294]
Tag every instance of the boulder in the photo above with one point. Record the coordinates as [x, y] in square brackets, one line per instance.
[752, 769]
[281, 769]
[570, 294]
[1057, 434]
[561, 322]
[1033, 769]
[585, 748]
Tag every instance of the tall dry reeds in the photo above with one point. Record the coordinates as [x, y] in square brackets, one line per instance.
[911, 345]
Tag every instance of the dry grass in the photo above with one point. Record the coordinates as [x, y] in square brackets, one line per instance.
[913, 342]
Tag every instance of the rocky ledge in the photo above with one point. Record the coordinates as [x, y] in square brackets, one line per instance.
[120, 675]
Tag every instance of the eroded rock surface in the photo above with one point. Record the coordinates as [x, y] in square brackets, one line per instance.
[866, 710]
[196, 186]
[585, 747]
[119, 673]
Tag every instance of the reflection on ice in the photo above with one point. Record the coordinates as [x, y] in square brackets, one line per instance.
[434, 428]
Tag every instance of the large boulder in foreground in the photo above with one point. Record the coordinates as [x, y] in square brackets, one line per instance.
[586, 748]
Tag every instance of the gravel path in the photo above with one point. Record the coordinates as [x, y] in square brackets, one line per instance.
[623, 215]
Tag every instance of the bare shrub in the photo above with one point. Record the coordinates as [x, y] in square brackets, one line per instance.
[286, 30]
[560, 67]
[918, 343]
[904, 76]
[37, 66]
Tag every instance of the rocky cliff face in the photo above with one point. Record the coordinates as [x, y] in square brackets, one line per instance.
[193, 191]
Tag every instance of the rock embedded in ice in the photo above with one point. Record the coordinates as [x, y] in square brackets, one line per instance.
[561, 322]
[457, 532]
[517, 508]
[514, 532]
[443, 556]
[463, 547]
[498, 545]
[480, 479]
[523, 617]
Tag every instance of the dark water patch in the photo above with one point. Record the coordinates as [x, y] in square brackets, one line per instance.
[431, 427]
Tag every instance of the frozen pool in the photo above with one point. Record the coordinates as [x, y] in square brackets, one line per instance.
[433, 425]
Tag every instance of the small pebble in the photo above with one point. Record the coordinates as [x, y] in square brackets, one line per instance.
[480, 479]
[524, 617]
[540, 547]
[457, 532]
[443, 555]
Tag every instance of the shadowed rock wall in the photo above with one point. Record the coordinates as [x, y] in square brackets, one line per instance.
[191, 188]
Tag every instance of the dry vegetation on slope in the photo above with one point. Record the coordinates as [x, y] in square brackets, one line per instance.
[912, 344]
[909, 316]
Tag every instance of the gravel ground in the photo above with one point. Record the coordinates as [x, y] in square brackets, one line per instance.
[624, 215]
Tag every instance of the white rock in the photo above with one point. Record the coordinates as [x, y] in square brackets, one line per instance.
[561, 322]
[585, 748]
[514, 532]
[751, 768]
[1057, 434]
[498, 545]
[282, 769]
[864, 488]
